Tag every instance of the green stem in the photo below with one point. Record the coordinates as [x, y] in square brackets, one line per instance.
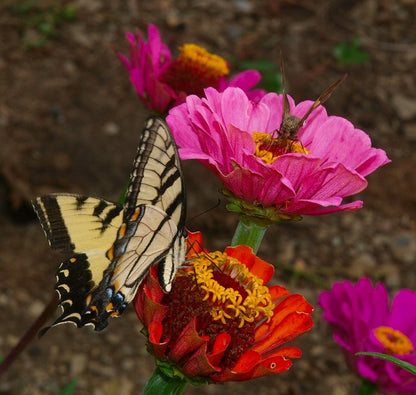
[367, 388]
[249, 233]
[161, 384]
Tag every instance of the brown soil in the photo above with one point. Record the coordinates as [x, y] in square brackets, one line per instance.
[70, 121]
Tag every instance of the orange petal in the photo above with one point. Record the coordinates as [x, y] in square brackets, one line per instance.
[290, 327]
[271, 365]
[257, 266]
[194, 243]
[247, 362]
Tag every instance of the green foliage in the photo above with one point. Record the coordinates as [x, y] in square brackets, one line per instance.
[405, 365]
[69, 389]
[271, 78]
[350, 52]
[44, 17]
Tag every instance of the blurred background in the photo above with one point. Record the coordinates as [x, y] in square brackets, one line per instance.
[70, 121]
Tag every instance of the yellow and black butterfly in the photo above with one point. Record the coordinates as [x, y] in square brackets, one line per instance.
[113, 246]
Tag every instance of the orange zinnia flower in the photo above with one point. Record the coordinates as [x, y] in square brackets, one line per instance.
[221, 322]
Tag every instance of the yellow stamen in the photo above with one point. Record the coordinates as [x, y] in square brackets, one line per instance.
[195, 56]
[268, 148]
[393, 340]
[238, 294]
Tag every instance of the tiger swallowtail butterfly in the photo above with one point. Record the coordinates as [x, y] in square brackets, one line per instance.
[112, 246]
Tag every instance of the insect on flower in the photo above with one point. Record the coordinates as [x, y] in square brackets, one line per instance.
[288, 130]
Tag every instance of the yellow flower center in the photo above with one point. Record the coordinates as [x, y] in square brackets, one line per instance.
[233, 292]
[211, 65]
[393, 340]
[194, 70]
[269, 148]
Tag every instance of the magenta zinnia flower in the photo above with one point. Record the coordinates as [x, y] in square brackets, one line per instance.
[363, 320]
[162, 82]
[240, 141]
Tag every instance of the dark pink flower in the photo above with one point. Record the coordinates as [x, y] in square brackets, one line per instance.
[162, 82]
[239, 140]
[363, 320]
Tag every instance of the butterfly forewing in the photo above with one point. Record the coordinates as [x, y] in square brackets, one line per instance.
[157, 177]
[113, 247]
[78, 223]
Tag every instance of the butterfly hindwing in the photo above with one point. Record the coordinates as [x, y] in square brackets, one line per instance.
[83, 226]
[112, 246]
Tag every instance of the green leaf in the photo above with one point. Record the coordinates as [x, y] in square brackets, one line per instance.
[162, 383]
[68, 13]
[405, 365]
[367, 388]
[271, 78]
[69, 389]
[350, 52]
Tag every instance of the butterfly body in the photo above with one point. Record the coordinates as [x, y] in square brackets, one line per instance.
[113, 246]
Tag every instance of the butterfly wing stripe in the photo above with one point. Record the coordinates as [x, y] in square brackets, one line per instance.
[50, 217]
[151, 241]
[78, 223]
[170, 264]
[157, 176]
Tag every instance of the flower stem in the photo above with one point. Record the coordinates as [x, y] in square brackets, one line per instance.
[249, 233]
[162, 384]
[367, 388]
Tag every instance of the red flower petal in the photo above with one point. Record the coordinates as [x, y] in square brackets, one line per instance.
[278, 291]
[257, 266]
[221, 343]
[187, 342]
[148, 310]
[198, 364]
[271, 365]
[247, 362]
[288, 352]
[289, 328]
[194, 242]
[155, 334]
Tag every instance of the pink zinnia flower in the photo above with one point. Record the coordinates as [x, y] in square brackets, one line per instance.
[162, 82]
[363, 320]
[240, 141]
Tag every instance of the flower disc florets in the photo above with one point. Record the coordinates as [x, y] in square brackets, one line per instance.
[221, 321]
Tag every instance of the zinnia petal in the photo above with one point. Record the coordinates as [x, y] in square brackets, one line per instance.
[312, 174]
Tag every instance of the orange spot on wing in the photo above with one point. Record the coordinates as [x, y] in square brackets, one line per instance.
[136, 214]
[122, 230]
[110, 253]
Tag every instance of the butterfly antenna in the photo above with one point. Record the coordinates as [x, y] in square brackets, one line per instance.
[206, 211]
[30, 334]
[324, 96]
[286, 107]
